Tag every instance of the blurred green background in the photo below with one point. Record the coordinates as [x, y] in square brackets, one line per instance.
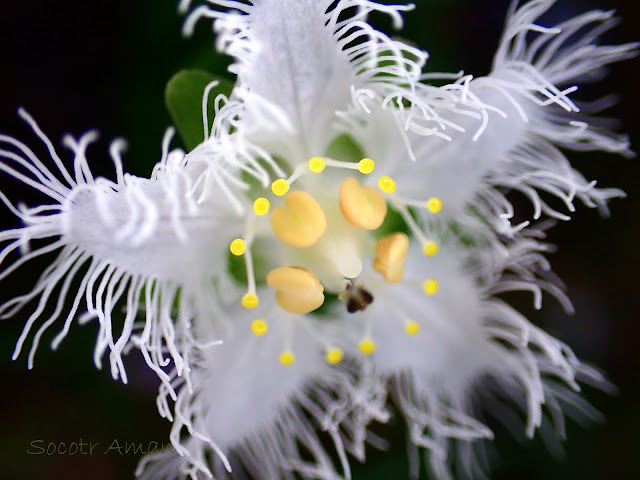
[77, 65]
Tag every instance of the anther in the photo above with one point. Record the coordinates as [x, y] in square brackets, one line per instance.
[363, 207]
[366, 166]
[317, 164]
[412, 328]
[287, 358]
[391, 253]
[387, 184]
[334, 356]
[367, 346]
[280, 187]
[300, 222]
[250, 300]
[259, 327]
[430, 249]
[434, 205]
[261, 206]
[238, 247]
[431, 286]
[298, 290]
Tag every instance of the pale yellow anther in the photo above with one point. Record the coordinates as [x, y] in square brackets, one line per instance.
[317, 164]
[412, 328]
[431, 286]
[387, 184]
[366, 166]
[300, 222]
[259, 327]
[434, 205]
[287, 358]
[280, 187]
[238, 247]
[261, 206]
[250, 300]
[334, 356]
[367, 346]
[298, 290]
[362, 206]
[391, 253]
[430, 249]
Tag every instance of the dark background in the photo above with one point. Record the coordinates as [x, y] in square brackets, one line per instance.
[77, 65]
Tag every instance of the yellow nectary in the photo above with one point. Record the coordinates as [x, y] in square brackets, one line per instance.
[300, 222]
[298, 290]
[391, 253]
[363, 207]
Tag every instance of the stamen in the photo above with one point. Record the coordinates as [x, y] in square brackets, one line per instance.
[259, 327]
[298, 290]
[301, 222]
[362, 206]
[367, 346]
[391, 253]
[412, 327]
[238, 247]
[387, 184]
[334, 356]
[431, 286]
[261, 206]
[429, 247]
[287, 358]
[365, 166]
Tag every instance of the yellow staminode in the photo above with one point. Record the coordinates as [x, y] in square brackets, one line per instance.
[317, 164]
[391, 253]
[280, 187]
[259, 327]
[366, 166]
[430, 249]
[287, 358]
[261, 206]
[412, 328]
[367, 346]
[300, 222]
[298, 290]
[387, 184]
[434, 205]
[238, 247]
[363, 207]
[334, 356]
[431, 286]
[250, 300]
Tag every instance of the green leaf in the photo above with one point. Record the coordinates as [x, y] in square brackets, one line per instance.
[183, 97]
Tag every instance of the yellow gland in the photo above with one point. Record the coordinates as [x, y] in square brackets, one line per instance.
[298, 290]
[287, 358]
[317, 164]
[367, 346]
[334, 356]
[434, 205]
[238, 247]
[430, 249]
[250, 300]
[259, 327]
[261, 206]
[366, 166]
[391, 253]
[300, 222]
[431, 286]
[280, 187]
[412, 328]
[363, 207]
[387, 184]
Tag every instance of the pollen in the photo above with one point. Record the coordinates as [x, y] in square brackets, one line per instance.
[250, 300]
[367, 346]
[300, 222]
[238, 247]
[430, 249]
[287, 358]
[317, 164]
[412, 328]
[431, 286]
[280, 187]
[366, 166]
[259, 327]
[391, 253]
[362, 206]
[434, 205]
[387, 184]
[334, 356]
[298, 290]
[261, 206]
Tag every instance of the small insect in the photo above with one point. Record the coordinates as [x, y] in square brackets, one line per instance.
[356, 298]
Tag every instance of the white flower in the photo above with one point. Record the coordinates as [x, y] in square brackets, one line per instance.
[342, 230]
